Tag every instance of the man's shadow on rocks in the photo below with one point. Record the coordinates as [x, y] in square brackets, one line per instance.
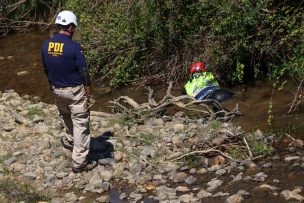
[100, 147]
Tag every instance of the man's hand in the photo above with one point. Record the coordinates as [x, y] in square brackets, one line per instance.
[88, 90]
[89, 93]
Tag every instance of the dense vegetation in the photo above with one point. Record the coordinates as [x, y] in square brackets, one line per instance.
[21, 15]
[153, 40]
[156, 40]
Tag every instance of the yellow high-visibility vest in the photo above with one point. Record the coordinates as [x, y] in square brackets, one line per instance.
[193, 86]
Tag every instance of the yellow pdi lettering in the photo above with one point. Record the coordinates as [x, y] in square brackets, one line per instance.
[61, 47]
[51, 46]
[55, 48]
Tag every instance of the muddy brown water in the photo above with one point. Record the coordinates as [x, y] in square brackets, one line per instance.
[21, 52]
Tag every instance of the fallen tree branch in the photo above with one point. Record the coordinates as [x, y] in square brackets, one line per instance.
[248, 148]
[205, 152]
[100, 114]
[297, 99]
[209, 108]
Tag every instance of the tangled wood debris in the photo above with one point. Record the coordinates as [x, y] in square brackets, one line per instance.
[209, 108]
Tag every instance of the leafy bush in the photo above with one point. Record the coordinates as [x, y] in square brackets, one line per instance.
[19, 15]
[153, 40]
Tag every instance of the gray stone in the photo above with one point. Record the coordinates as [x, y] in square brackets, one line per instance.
[38, 119]
[184, 168]
[292, 158]
[220, 172]
[174, 155]
[178, 127]
[190, 180]
[179, 177]
[203, 194]
[165, 190]
[214, 168]
[292, 195]
[260, 177]
[136, 196]
[180, 114]
[188, 198]
[61, 175]
[89, 187]
[135, 168]
[49, 181]
[236, 198]
[147, 151]
[167, 118]
[176, 141]
[103, 199]
[248, 163]
[182, 189]
[202, 171]
[276, 158]
[71, 197]
[122, 196]
[105, 186]
[237, 177]
[10, 161]
[30, 175]
[108, 161]
[143, 178]
[192, 171]
[213, 184]
[8, 128]
[106, 175]
[267, 165]
[221, 194]
[244, 193]
[265, 188]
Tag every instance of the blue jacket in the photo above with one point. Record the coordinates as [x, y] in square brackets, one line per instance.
[64, 62]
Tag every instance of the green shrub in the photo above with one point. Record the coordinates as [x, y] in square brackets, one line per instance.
[17, 192]
[138, 40]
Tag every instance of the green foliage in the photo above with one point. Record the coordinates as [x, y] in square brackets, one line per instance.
[16, 192]
[18, 15]
[129, 41]
[145, 138]
[5, 157]
[34, 111]
[124, 120]
[132, 40]
[259, 148]
[192, 161]
[237, 153]
[289, 129]
[215, 125]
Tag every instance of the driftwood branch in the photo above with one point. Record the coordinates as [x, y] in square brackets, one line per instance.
[205, 152]
[209, 108]
[298, 98]
[248, 148]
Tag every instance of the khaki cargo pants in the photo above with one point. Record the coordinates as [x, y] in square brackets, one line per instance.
[74, 114]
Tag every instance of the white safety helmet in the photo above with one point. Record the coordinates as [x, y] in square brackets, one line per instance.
[66, 18]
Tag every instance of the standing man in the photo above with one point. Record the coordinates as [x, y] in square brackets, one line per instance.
[67, 72]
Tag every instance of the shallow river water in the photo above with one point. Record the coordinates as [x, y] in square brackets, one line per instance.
[21, 70]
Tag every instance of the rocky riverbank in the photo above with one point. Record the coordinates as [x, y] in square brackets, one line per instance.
[169, 159]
